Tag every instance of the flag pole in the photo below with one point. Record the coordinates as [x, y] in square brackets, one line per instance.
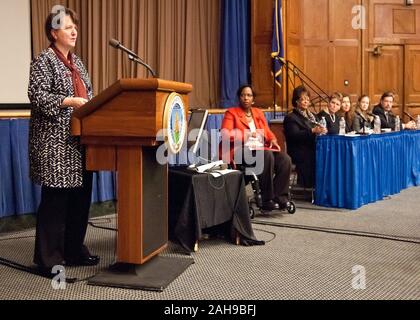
[274, 87]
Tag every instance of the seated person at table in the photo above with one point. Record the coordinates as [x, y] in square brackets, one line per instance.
[346, 112]
[330, 114]
[301, 128]
[247, 125]
[384, 111]
[362, 120]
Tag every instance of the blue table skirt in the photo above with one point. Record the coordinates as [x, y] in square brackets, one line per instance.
[354, 171]
[18, 195]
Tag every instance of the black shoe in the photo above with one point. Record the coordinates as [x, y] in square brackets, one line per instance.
[270, 206]
[84, 261]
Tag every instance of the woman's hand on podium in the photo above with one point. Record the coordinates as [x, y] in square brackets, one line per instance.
[76, 103]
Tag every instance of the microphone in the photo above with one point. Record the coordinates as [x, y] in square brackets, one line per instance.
[117, 45]
[131, 55]
[409, 115]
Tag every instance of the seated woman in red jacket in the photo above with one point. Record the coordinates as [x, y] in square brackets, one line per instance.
[247, 126]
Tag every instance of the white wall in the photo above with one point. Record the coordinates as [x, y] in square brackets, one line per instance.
[15, 50]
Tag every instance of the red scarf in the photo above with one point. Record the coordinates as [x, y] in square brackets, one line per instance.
[78, 85]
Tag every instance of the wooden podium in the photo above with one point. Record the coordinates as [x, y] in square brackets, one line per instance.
[119, 128]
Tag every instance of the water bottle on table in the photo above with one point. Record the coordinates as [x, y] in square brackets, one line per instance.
[342, 131]
[323, 123]
[397, 123]
[377, 125]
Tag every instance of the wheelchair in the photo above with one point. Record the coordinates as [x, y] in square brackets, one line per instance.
[256, 199]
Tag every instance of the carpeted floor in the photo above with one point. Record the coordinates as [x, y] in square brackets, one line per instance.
[308, 255]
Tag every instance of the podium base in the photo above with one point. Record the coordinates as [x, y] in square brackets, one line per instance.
[154, 275]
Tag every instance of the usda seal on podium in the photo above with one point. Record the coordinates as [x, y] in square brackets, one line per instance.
[175, 123]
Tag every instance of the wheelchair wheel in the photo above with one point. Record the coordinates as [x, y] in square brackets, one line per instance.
[291, 207]
[251, 212]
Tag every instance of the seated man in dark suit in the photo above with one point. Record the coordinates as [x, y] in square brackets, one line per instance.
[384, 111]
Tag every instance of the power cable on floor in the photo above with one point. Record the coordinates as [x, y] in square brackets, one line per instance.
[16, 238]
[20, 267]
[102, 228]
[338, 231]
[271, 233]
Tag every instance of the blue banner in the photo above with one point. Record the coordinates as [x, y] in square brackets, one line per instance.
[277, 45]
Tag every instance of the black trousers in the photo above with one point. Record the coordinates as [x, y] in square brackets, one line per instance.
[62, 220]
[275, 179]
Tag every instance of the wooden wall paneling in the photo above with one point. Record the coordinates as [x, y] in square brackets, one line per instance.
[293, 15]
[392, 22]
[346, 48]
[316, 42]
[364, 50]
[386, 73]
[317, 64]
[346, 66]
[261, 65]
[315, 20]
[412, 79]
[294, 48]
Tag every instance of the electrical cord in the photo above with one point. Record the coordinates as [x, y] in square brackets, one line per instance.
[268, 232]
[338, 231]
[20, 267]
[16, 238]
[102, 228]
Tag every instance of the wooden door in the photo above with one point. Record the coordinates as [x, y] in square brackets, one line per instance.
[393, 53]
[412, 79]
[386, 73]
[261, 65]
[331, 47]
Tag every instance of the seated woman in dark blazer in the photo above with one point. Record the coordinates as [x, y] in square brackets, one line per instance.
[362, 119]
[301, 128]
[330, 114]
[246, 126]
[346, 112]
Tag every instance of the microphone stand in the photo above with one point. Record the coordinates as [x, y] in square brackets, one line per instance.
[409, 115]
[131, 55]
[139, 61]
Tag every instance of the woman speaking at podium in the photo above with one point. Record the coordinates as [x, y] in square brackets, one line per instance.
[249, 125]
[58, 85]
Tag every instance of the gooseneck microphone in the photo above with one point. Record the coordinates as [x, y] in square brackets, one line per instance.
[131, 55]
[409, 115]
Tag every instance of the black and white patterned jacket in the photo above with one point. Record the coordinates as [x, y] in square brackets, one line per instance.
[55, 156]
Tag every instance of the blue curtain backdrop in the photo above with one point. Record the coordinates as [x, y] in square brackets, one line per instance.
[236, 52]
